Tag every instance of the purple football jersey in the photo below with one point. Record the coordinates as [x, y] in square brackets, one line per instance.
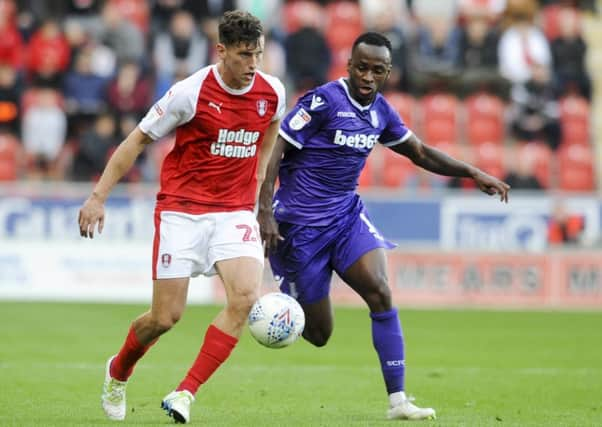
[333, 135]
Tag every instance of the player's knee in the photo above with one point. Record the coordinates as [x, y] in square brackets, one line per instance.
[241, 301]
[378, 295]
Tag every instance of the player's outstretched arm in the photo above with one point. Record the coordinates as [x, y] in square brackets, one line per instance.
[437, 161]
[265, 215]
[92, 212]
[265, 153]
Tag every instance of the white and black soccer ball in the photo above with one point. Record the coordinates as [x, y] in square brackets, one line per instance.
[276, 320]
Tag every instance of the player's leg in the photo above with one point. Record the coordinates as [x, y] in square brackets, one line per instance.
[361, 262]
[235, 253]
[169, 300]
[319, 321]
[241, 278]
[301, 263]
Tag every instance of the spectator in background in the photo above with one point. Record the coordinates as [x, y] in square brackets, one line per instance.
[477, 58]
[83, 89]
[129, 92]
[180, 50]
[308, 56]
[94, 149]
[535, 113]
[385, 17]
[564, 227]
[522, 44]
[10, 91]
[11, 42]
[49, 55]
[568, 51]
[44, 129]
[522, 173]
[122, 36]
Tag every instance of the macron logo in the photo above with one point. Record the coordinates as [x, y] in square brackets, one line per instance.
[316, 101]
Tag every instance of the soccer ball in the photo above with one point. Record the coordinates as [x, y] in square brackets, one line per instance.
[276, 320]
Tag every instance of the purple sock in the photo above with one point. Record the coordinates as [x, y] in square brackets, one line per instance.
[388, 342]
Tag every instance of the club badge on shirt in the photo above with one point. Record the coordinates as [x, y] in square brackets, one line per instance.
[300, 119]
[262, 107]
[374, 118]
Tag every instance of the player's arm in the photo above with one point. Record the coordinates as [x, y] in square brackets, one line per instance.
[92, 211]
[265, 214]
[438, 162]
[267, 146]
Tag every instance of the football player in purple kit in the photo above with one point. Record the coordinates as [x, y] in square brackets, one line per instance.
[316, 222]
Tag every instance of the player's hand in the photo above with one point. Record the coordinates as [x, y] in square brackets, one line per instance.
[91, 214]
[491, 185]
[268, 227]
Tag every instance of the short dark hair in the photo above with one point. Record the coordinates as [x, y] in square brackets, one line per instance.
[237, 26]
[374, 39]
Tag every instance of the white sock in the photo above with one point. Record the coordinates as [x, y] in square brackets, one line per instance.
[396, 398]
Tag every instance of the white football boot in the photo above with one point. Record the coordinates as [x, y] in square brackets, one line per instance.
[113, 395]
[177, 405]
[404, 409]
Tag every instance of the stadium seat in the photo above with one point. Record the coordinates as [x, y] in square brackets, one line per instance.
[439, 117]
[344, 13]
[490, 157]
[395, 169]
[484, 118]
[576, 168]
[10, 158]
[575, 119]
[367, 178]
[405, 105]
[341, 37]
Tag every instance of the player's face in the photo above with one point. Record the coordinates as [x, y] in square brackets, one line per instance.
[368, 69]
[240, 62]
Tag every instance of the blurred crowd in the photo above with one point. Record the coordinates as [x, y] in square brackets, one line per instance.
[501, 83]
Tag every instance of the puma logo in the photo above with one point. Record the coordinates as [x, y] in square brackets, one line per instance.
[218, 107]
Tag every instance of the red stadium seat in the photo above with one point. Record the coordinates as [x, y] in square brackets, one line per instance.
[439, 114]
[11, 156]
[489, 157]
[575, 120]
[484, 118]
[439, 130]
[405, 105]
[576, 168]
[395, 169]
[341, 37]
[344, 14]
[575, 132]
[367, 177]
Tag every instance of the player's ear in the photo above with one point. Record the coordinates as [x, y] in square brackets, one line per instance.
[221, 50]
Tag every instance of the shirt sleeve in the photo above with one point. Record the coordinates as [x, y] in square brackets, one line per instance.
[174, 109]
[396, 131]
[305, 119]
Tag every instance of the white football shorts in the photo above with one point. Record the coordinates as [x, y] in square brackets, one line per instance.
[187, 245]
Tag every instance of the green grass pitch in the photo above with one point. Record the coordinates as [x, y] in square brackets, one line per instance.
[477, 368]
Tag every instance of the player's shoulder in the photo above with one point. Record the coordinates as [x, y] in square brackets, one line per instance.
[322, 97]
[271, 81]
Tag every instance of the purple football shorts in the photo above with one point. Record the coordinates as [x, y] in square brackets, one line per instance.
[304, 261]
